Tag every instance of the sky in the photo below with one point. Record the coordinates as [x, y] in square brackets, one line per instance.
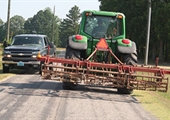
[28, 8]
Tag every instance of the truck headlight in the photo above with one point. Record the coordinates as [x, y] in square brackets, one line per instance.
[34, 54]
[7, 54]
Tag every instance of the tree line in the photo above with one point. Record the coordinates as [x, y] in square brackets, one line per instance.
[136, 12]
[44, 22]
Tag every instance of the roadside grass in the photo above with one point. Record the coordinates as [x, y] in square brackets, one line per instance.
[154, 103]
[157, 103]
[61, 49]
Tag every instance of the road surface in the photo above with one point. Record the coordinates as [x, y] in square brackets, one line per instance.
[27, 97]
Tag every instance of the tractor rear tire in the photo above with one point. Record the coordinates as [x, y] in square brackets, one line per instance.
[72, 53]
[124, 90]
[68, 86]
[129, 59]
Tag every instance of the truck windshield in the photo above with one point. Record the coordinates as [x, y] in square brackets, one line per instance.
[103, 26]
[25, 40]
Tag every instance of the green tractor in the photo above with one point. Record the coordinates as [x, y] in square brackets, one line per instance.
[110, 26]
[101, 24]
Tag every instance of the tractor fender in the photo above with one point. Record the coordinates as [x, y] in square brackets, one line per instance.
[78, 42]
[127, 49]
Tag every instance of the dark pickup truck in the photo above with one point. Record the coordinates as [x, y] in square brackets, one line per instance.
[23, 51]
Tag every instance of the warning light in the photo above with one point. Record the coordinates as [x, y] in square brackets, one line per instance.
[78, 37]
[88, 13]
[126, 41]
[102, 44]
[119, 16]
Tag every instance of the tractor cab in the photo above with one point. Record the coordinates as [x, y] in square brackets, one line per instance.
[99, 24]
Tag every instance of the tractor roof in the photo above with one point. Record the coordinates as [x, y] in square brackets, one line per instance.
[107, 13]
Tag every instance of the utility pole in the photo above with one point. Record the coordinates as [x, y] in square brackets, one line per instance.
[8, 20]
[53, 24]
[148, 33]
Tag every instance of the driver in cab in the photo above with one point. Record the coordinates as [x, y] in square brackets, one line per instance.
[99, 30]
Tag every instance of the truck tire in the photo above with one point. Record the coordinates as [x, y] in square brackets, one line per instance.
[40, 68]
[129, 59]
[5, 69]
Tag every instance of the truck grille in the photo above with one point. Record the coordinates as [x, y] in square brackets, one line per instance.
[21, 54]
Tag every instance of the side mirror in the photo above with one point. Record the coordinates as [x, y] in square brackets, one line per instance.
[51, 44]
[5, 44]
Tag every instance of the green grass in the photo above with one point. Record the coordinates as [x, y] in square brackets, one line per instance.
[60, 49]
[157, 103]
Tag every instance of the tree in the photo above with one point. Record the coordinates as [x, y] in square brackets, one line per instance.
[1, 22]
[28, 26]
[43, 23]
[69, 25]
[2, 30]
[16, 25]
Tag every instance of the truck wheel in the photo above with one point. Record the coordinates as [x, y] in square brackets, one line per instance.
[40, 68]
[5, 69]
[129, 59]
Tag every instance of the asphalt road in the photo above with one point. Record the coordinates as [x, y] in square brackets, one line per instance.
[27, 97]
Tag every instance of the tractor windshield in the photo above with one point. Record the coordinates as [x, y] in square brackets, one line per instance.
[103, 26]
